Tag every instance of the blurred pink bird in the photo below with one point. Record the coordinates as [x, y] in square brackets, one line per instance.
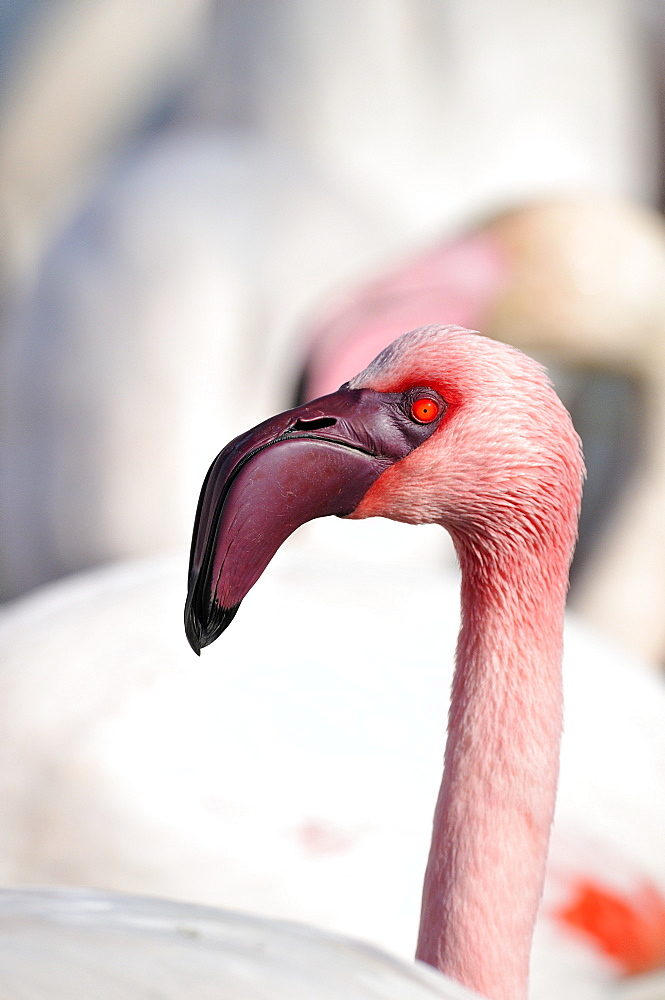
[577, 281]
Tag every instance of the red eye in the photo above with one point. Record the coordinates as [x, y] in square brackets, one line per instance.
[425, 409]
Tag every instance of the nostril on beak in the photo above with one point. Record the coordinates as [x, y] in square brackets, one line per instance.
[316, 424]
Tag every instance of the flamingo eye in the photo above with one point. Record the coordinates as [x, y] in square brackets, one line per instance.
[424, 409]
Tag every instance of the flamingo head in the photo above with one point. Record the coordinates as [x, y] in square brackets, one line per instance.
[443, 426]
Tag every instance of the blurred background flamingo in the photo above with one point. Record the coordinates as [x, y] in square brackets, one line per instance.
[219, 214]
[579, 282]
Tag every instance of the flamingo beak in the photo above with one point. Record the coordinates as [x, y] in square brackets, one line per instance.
[314, 460]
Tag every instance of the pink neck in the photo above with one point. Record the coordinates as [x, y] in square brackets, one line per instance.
[492, 822]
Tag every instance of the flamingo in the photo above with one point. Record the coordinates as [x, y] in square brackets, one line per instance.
[445, 427]
[123, 769]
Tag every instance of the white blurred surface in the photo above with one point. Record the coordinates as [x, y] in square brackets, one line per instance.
[78, 945]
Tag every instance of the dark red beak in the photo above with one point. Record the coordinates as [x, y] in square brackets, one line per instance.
[317, 459]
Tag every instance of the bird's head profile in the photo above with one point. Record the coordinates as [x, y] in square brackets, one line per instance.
[443, 426]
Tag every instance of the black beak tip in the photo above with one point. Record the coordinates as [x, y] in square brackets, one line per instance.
[200, 632]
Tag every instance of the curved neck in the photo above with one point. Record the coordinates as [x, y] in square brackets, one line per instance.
[494, 812]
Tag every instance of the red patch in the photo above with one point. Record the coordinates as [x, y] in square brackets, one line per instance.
[321, 838]
[631, 930]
